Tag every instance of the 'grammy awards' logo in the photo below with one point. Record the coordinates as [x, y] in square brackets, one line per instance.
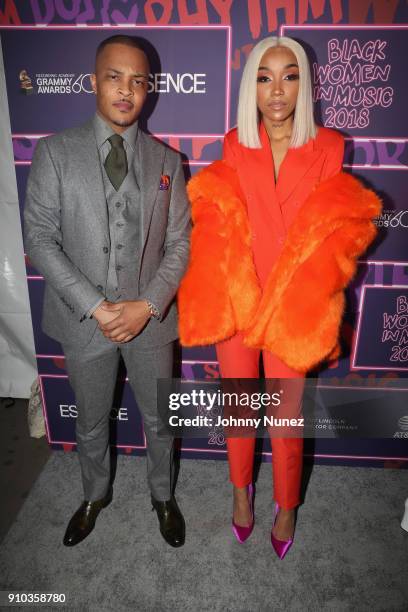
[26, 86]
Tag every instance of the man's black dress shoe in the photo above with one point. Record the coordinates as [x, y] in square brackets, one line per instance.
[83, 521]
[172, 526]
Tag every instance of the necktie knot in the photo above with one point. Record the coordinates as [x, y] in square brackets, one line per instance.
[116, 141]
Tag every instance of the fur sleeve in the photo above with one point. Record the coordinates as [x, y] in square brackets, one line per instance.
[220, 292]
[205, 312]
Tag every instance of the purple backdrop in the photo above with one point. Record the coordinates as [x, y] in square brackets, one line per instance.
[360, 88]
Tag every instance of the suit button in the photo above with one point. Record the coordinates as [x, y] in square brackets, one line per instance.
[105, 250]
[119, 224]
[99, 287]
[120, 246]
[118, 268]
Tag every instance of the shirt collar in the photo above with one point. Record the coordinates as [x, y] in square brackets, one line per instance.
[103, 131]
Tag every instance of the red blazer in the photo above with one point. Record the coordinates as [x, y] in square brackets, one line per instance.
[272, 207]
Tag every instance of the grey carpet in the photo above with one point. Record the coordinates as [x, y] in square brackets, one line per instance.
[350, 552]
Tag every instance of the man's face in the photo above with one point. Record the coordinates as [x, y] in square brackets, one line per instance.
[120, 83]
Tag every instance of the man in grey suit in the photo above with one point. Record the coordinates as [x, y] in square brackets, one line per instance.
[107, 223]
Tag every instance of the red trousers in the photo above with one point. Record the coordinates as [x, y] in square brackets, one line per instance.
[238, 361]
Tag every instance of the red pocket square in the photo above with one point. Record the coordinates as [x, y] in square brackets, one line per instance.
[164, 182]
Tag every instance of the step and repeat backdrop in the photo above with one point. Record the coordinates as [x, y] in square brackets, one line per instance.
[357, 53]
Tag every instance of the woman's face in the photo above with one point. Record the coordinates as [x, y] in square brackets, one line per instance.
[277, 84]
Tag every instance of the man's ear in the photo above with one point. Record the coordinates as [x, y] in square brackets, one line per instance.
[93, 82]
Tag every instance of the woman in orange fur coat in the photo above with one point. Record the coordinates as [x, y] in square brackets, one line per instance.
[277, 231]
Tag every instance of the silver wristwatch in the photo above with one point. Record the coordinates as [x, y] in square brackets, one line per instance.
[154, 311]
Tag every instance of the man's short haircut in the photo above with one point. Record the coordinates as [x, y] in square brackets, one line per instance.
[120, 39]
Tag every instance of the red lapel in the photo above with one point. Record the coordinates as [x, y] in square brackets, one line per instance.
[259, 177]
[296, 163]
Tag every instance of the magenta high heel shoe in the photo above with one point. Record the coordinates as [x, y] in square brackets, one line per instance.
[281, 547]
[243, 533]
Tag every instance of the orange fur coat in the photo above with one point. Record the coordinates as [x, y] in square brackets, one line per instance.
[297, 316]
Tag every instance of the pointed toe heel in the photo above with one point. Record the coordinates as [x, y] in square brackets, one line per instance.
[281, 547]
[242, 533]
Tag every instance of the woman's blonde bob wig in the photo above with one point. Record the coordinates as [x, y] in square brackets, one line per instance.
[304, 126]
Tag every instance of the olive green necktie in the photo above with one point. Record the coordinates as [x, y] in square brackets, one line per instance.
[116, 162]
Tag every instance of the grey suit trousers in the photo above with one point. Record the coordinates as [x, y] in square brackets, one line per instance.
[92, 373]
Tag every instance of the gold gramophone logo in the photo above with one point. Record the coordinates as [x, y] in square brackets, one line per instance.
[26, 86]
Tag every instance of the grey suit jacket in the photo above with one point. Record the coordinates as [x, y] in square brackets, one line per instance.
[67, 234]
